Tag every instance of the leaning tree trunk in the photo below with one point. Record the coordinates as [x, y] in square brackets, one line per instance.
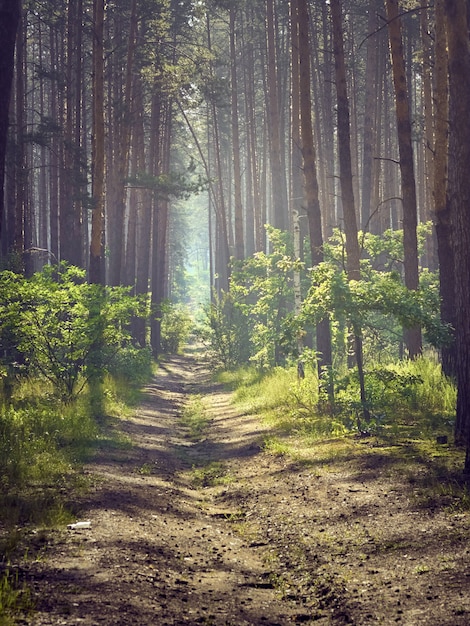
[412, 336]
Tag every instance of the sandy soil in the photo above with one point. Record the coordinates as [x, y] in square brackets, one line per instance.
[217, 531]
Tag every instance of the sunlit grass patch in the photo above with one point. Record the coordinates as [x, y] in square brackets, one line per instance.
[14, 598]
[259, 391]
[194, 417]
[210, 475]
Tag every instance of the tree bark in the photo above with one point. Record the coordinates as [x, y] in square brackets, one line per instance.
[10, 13]
[459, 198]
[96, 271]
[70, 206]
[279, 199]
[445, 251]
[237, 187]
[312, 204]
[346, 180]
[412, 336]
[371, 97]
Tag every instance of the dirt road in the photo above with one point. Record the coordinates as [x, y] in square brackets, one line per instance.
[216, 531]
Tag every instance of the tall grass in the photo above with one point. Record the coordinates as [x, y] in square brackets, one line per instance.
[14, 597]
[411, 397]
[257, 390]
[42, 442]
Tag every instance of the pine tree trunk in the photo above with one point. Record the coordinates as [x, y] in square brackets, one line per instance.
[312, 203]
[371, 97]
[442, 216]
[459, 198]
[222, 252]
[96, 272]
[412, 336]
[346, 180]
[237, 190]
[121, 150]
[10, 12]
[279, 197]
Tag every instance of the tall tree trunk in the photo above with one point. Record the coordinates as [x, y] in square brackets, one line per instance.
[96, 271]
[459, 198]
[121, 150]
[346, 180]
[279, 197]
[55, 161]
[237, 182]
[222, 255]
[323, 334]
[442, 217]
[70, 209]
[159, 238]
[20, 161]
[371, 97]
[412, 336]
[10, 13]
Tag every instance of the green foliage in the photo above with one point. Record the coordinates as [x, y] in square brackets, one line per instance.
[225, 331]
[175, 327]
[379, 303]
[262, 287]
[14, 597]
[39, 437]
[194, 418]
[408, 397]
[58, 326]
[261, 303]
[176, 184]
[134, 365]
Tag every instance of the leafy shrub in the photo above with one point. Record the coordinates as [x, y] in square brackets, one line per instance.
[175, 328]
[412, 394]
[130, 363]
[225, 332]
[56, 325]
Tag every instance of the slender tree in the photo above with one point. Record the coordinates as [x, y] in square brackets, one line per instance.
[237, 182]
[413, 339]
[442, 217]
[312, 204]
[96, 272]
[278, 187]
[10, 12]
[346, 179]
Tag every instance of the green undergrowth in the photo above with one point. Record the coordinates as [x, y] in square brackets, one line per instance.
[14, 596]
[194, 417]
[43, 444]
[210, 474]
[409, 435]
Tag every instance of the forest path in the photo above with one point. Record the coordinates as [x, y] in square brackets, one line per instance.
[160, 550]
[217, 531]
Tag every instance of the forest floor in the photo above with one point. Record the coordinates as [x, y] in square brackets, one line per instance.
[215, 530]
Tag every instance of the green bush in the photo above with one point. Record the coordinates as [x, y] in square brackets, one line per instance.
[226, 332]
[56, 325]
[130, 363]
[175, 328]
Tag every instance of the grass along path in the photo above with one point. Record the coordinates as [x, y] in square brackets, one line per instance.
[199, 522]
